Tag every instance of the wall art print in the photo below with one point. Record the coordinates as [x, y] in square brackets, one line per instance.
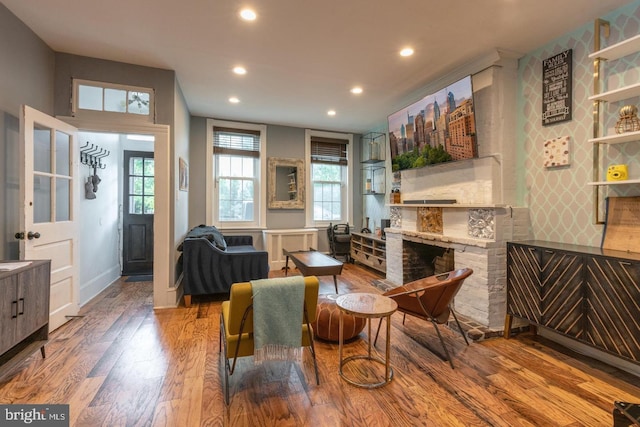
[556, 152]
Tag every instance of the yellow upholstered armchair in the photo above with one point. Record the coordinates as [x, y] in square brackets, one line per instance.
[236, 325]
[430, 299]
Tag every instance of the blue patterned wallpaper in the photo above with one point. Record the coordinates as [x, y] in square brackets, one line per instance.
[560, 202]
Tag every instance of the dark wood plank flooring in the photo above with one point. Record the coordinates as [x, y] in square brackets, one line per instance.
[126, 364]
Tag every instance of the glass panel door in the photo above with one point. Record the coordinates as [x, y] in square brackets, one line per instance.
[51, 175]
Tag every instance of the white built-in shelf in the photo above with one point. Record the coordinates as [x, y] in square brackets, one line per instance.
[448, 205]
[617, 138]
[618, 50]
[617, 94]
[626, 181]
[601, 56]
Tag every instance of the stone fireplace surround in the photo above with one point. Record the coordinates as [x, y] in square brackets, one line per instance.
[482, 298]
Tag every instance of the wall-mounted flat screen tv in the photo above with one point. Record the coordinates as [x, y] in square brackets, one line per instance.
[439, 128]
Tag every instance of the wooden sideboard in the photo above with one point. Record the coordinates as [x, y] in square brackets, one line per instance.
[585, 293]
[24, 312]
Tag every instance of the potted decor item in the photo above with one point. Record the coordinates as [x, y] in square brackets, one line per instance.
[628, 121]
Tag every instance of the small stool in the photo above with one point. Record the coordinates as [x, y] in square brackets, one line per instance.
[327, 324]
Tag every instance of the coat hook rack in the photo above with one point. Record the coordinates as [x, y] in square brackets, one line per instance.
[92, 155]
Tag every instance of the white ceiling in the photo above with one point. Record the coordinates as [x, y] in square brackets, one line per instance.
[303, 56]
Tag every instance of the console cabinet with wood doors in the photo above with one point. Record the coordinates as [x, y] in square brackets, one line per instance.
[582, 292]
[24, 311]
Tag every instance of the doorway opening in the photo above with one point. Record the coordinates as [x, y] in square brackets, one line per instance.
[137, 213]
[116, 220]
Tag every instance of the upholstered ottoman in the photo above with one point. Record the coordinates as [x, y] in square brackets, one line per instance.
[327, 323]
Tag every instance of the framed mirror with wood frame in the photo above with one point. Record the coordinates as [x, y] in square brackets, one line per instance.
[286, 183]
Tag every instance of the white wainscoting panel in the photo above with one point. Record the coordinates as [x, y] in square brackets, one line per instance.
[290, 239]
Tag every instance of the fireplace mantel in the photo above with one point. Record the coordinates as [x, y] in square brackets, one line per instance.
[442, 240]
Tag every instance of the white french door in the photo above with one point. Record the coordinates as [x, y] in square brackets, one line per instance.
[49, 206]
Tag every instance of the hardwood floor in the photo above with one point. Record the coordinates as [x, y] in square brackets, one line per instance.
[125, 364]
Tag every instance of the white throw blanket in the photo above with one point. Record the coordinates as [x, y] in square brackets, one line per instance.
[277, 318]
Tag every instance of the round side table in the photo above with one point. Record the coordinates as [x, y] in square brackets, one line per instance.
[368, 306]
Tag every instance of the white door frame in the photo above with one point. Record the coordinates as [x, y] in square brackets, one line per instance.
[164, 290]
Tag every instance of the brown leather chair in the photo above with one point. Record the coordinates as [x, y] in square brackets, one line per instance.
[236, 325]
[430, 299]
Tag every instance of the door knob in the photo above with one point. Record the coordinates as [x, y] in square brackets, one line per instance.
[31, 235]
[19, 235]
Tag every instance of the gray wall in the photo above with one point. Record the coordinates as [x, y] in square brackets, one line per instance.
[197, 171]
[69, 66]
[282, 141]
[180, 149]
[287, 142]
[170, 109]
[26, 77]
[31, 73]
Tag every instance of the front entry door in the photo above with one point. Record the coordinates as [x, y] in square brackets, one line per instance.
[49, 206]
[138, 207]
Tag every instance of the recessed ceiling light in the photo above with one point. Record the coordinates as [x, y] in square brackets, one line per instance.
[356, 90]
[407, 51]
[331, 112]
[234, 100]
[240, 70]
[248, 15]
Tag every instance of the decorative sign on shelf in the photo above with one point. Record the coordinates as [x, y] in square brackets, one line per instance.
[556, 88]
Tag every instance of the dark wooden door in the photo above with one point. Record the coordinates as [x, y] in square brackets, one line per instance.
[523, 282]
[138, 209]
[562, 279]
[613, 312]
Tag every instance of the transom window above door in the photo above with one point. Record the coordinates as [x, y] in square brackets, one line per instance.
[101, 100]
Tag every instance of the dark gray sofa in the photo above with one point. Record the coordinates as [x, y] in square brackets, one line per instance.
[212, 262]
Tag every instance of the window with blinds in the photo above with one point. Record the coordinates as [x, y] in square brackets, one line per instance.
[236, 153]
[328, 150]
[328, 173]
[236, 142]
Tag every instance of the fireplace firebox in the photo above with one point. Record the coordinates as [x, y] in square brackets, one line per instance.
[420, 260]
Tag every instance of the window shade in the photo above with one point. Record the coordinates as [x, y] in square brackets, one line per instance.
[328, 150]
[236, 142]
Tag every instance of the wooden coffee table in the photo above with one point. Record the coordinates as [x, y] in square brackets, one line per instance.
[313, 263]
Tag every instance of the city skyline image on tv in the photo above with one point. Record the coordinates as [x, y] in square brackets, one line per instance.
[438, 128]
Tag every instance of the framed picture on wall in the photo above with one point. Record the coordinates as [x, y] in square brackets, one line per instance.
[557, 88]
[183, 175]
